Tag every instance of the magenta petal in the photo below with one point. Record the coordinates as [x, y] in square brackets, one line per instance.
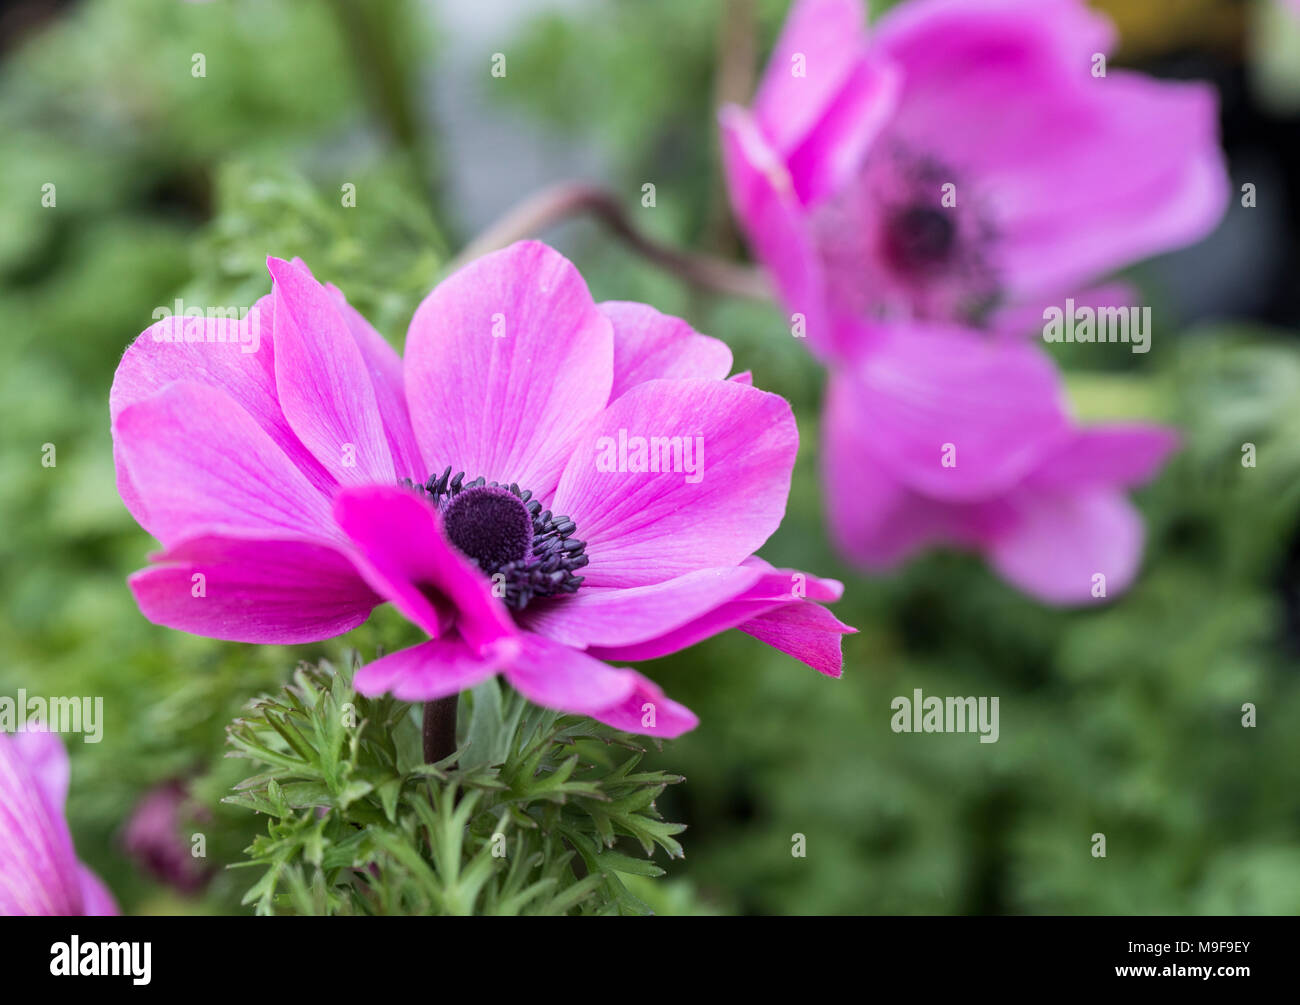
[647, 526]
[403, 555]
[38, 867]
[236, 357]
[96, 900]
[808, 632]
[622, 617]
[648, 711]
[763, 197]
[1066, 208]
[1119, 456]
[323, 380]
[434, 669]
[201, 463]
[386, 376]
[506, 361]
[550, 674]
[826, 40]
[557, 676]
[832, 153]
[47, 760]
[646, 622]
[952, 414]
[1059, 542]
[254, 589]
[648, 344]
[1171, 189]
[932, 36]
[874, 518]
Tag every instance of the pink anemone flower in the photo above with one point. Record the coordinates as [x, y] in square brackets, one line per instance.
[928, 442]
[965, 165]
[39, 870]
[544, 483]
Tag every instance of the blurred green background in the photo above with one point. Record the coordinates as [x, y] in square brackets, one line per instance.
[1124, 720]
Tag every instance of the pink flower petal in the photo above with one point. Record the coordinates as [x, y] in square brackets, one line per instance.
[557, 676]
[38, 867]
[254, 589]
[808, 632]
[874, 518]
[647, 526]
[1058, 542]
[649, 712]
[385, 368]
[402, 553]
[763, 197]
[47, 759]
[550, 674]
[506, 361]
[202, 463]
[96, 900]
[433, 669]
[622, 617]
[952, 415]
[236, 357]
[323, 381]
[1118, 456]
[646, 622]
[825, 40]
[832, 153]
[648, 345]
[1064, 207]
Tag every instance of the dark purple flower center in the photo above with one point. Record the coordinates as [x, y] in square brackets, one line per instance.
[527, 551]
[920, 237]
[489, 525]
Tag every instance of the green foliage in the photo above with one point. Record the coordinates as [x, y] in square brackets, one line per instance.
[535, 814]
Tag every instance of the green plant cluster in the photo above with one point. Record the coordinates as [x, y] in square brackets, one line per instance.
[535, 813]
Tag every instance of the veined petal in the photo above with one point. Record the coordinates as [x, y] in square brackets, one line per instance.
[763, 197]
[650, 509]
[254, 589]
[201, 463]
[385, 368]
[233, 355]
[323, 381]
[648, 345]
[506, 362]
[38, 867]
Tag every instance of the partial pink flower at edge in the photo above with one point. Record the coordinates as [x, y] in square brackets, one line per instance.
[39, 870]
[922, 191]
[962, 153]
[321, 475]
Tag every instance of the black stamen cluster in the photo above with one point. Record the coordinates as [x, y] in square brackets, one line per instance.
[551, 561]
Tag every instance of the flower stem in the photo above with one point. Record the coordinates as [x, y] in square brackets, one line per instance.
[559, 202]
[440, 728]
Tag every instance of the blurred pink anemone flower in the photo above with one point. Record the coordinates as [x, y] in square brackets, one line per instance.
[39, 870]
[964, 166]
[542, 484]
